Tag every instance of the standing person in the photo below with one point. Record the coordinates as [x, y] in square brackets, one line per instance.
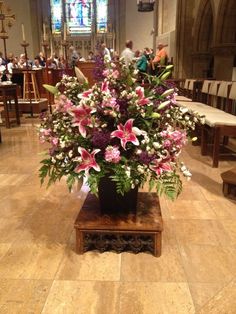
[74, 56]
[127, 54]
[105, 52]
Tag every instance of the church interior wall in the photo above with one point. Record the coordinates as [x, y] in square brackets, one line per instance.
[22, 11]
[139, 26]
[193, 42]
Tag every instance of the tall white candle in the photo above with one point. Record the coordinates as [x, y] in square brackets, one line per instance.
[65, 30]
[51, 47]
[44, 32]
[23, 31]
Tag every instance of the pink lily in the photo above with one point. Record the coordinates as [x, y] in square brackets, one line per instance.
[86, 94]
[159, 167]
[140, 93]
[88, 161]
[81, 118]
[104, 87]
[125, 133]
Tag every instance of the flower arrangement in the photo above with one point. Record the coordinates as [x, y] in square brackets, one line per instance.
[130, 131]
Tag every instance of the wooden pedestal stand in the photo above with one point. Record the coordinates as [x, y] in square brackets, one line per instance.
[229, 183]
[140, 232]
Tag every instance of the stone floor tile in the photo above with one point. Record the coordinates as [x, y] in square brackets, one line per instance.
[158, 298]
[146, 267]
[70, 297]
[23, 296]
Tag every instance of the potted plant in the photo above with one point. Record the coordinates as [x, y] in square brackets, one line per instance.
[119, 130]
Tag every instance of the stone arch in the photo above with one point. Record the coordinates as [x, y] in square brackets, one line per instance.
[226, 25]
[203, 28]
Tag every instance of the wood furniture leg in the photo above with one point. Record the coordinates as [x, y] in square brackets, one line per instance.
[216, 147]
[204, 139]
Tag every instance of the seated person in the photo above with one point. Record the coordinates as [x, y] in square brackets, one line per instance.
[36, 64]
[12, 65]
[142, 62]
[160, 59]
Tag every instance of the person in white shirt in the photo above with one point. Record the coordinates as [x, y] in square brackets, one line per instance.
[127, 54]
[12, 65]
[105, 52]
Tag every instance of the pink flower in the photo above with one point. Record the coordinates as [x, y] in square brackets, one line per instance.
[125, 133]
[88, 161]
[81, 118]
[159, 167]
[45, 132]
[142, 100]
[104, 86]
[86, 94]
[63, 104]
[106, 72]
[54, 141]
[115, 74]
[112, 154]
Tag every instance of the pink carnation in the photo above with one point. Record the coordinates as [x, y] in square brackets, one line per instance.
[115, 74]
[63, 104]
[112, 154]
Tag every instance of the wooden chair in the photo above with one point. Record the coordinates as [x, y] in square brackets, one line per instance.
[232, 99]
[30, 89]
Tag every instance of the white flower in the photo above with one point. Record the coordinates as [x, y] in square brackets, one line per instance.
[59, 156]
[70, 154]
[156, 145]
[63, 144]
[140, 169]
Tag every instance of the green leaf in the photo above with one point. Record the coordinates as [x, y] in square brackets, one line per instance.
[52, 89]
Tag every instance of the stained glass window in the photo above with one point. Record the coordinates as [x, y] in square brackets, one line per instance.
[101, 10]
[79, 15]
[56, 16]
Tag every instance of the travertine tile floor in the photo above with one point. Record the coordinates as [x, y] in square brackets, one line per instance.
[41, 273]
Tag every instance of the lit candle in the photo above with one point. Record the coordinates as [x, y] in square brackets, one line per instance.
[51, 47]
[23, 31]
[65, 31]
[44, 32]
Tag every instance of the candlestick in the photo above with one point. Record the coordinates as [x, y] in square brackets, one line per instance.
[44, 32]
[23, 31]
[65, 30]
[51, 46]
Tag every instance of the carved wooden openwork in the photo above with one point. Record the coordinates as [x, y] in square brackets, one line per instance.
[140, 232]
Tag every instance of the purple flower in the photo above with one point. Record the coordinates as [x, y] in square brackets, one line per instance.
[145, 158]
[100, 139]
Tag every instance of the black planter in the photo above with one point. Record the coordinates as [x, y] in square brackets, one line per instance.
[113, 203]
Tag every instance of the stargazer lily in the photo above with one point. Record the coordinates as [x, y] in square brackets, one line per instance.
[88, 161]
[142, 100]
[159, 167]
[125, 133]
[81, 118]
